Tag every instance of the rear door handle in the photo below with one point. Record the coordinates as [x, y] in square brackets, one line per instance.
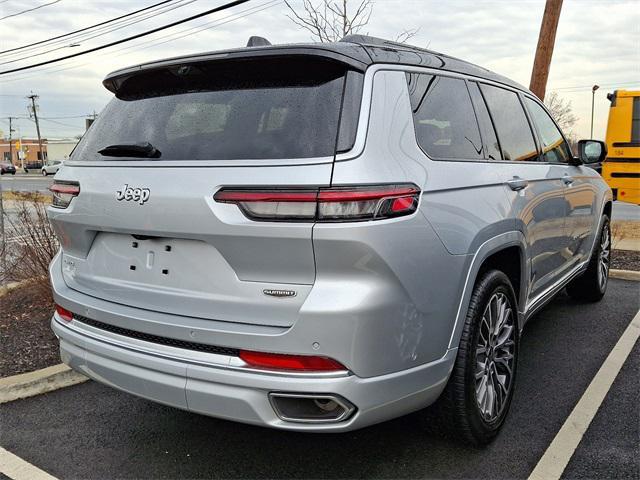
[567, 179]
[517, 184]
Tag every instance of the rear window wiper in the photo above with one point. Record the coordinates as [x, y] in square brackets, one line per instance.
[141, 150]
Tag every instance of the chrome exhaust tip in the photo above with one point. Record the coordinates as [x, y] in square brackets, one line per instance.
[311, 407]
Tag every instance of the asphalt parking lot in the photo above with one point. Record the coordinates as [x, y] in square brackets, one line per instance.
[91, 431]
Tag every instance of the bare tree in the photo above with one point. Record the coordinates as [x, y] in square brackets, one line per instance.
[329, 21]
[561, 111]
[406, 35]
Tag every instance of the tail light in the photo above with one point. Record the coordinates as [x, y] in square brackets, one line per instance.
[332, 204]
[63, 193]
[280, 361]
[64, 314]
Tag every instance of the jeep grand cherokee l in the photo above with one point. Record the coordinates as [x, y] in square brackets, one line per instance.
[321, 237]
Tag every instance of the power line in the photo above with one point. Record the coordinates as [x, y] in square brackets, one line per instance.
[139, 35]
[30, 9]
[72, 39]
[86, 28]
[198, 28]
[61, 123]
[154, 42]
[69, 116]
[83, 38]
[151, 43]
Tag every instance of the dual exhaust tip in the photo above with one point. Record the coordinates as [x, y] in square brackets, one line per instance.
[311, 408]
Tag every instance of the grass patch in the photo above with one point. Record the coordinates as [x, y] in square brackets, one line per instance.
[30, 196]
[626, 228]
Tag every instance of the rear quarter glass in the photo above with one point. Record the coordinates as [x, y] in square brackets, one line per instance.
[283, 108]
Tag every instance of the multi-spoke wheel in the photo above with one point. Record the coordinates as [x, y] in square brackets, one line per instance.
[604, 256]
[476, 399]
[592, 284]
[495, 356]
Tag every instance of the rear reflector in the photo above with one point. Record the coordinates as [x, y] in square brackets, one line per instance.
[64, 314]
[63, 193]
[278, 361]
[333, 204]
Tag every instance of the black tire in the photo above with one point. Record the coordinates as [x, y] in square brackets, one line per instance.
[44, 173]
[592, 284]
[457, 411]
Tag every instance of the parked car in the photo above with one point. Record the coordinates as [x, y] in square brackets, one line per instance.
[7, 167]
[52, 167]
[33, 165]
[321, 237]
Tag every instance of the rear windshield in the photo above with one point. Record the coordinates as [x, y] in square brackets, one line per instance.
[277, 109]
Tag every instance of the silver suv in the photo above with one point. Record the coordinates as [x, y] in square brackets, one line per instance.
[321, 237]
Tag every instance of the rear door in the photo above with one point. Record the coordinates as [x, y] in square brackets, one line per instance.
[535, 189]
[579, 189]
[145, 230]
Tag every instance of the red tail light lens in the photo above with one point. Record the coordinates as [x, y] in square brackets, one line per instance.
[64, 314]
[332, 204]
[279, 361]
[63, 193]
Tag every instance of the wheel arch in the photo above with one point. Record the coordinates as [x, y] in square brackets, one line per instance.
[500, 252]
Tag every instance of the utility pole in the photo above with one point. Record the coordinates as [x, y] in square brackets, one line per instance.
[544, 51]
[11, 138]
[33, 98]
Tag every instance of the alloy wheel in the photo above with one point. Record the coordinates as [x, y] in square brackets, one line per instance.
[495, 356]
[604, 257]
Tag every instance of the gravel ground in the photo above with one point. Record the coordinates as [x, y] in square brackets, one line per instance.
[27, 342]
[625, 260]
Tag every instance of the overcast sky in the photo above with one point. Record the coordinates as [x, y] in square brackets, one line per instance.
[598, 42]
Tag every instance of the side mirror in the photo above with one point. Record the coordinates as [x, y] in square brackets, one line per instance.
[591, 151]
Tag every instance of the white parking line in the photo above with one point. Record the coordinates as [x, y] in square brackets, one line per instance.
[555, 459]
[17, 469]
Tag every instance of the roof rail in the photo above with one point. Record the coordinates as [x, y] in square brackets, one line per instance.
[256, 41]
[375, 41]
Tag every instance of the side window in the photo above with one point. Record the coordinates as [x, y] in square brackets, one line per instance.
[554, 148]
[443, 117]
[514, 132]
[486, 124]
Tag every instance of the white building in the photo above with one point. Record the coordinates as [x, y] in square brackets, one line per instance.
[59, 149]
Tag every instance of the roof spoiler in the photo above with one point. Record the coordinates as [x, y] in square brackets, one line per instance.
[114, 81]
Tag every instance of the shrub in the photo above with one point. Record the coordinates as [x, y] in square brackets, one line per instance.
[30, 243]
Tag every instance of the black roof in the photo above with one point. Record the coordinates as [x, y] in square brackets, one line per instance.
[358, 51]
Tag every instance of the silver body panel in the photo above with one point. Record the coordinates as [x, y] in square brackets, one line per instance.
[387, 299]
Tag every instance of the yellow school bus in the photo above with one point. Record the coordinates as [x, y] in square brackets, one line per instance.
[621, 169]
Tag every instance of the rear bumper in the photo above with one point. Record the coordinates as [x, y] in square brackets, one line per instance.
[243, 396]
[363, 328]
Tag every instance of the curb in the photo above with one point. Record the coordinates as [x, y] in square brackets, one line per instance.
[38, 382]
[625, 275]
